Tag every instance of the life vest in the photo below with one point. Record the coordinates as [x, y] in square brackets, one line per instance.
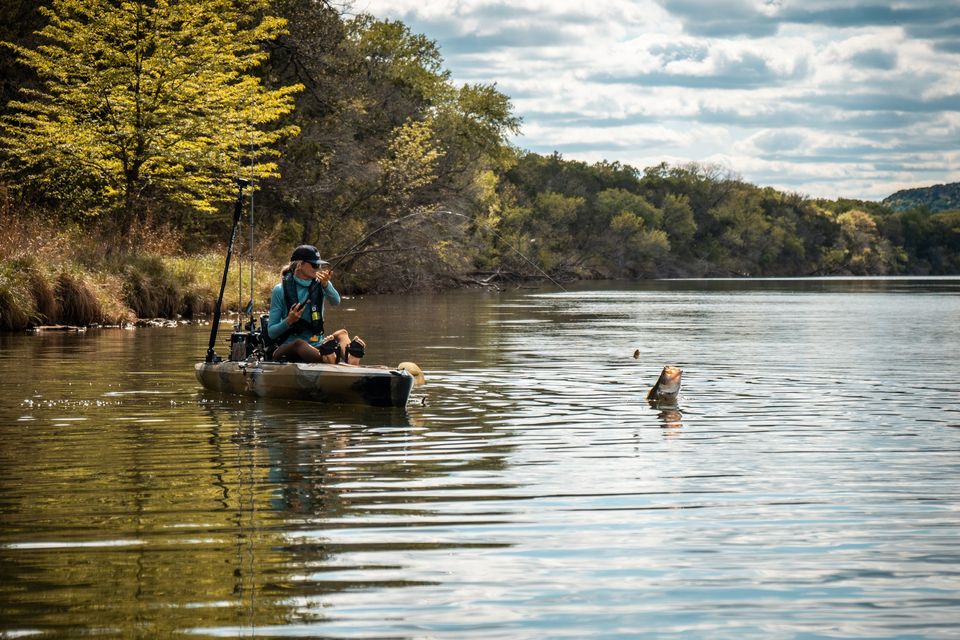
[312, 318]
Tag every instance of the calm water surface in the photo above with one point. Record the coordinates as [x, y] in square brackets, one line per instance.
[807, 487]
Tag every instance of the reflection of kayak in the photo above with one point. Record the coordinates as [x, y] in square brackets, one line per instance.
[335, 383]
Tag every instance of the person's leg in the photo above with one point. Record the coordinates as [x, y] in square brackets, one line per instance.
[287, 350]
[355, 350]
[343, 339]
[330, 350]
[298, 351]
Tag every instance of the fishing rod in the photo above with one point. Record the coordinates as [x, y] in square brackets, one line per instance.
[338, 259]
[352, 250]
[237, 211]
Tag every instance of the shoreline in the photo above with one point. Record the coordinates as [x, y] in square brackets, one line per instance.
[204, 319]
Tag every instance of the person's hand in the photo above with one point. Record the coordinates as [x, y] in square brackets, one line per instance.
[324, 277]
[295, 312]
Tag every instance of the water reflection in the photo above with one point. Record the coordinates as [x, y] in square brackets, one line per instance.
[250, 520]
[344, 496]
[671, 419]
[802, 485]
[84, 527]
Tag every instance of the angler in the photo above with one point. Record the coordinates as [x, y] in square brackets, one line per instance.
[258, 366]
[296, 314]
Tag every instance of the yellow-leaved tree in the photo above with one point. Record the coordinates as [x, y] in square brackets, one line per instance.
[146, 99]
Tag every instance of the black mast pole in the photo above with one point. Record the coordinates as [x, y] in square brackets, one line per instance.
[238, 209]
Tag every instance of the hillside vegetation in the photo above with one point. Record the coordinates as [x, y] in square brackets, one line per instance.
[939, 197]
[121, 138]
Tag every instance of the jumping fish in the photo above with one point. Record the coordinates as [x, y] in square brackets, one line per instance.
[667, 386]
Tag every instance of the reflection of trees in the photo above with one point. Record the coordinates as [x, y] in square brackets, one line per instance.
[139, 530]
[327, 476]
[152, 514]
[171, 518]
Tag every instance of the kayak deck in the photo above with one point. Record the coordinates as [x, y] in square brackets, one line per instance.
[332, 383]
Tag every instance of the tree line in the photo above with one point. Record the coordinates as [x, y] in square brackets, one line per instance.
[143, 112]
[936, 198]
[611, 220]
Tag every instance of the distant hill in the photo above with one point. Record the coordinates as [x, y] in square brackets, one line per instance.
[939, 197]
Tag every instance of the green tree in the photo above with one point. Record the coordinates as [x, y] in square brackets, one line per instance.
[384, 132]
[19, 20]
[860, 249]
[635, 249]
[678, 222]
[551, 225]
[611, 202]
[411, 162]
[147, 98]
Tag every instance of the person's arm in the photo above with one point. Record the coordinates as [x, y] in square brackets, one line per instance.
[330, 293]
[277, 323]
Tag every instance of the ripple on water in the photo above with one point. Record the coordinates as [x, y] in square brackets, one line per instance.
[803, 486]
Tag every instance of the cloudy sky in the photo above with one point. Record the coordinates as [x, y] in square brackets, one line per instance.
[831, 98]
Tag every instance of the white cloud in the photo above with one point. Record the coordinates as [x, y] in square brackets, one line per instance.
[826, 97]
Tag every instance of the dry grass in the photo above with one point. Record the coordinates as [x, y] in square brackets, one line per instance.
[16, 303]
[45, 298]
[150, 290]
[107, 287]
[200, 275]
[78, 304]
[65, 274]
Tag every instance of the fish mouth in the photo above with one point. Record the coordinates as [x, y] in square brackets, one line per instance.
[669, 383]
[670, 378]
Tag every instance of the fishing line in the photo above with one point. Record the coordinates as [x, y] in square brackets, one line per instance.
[364, 239]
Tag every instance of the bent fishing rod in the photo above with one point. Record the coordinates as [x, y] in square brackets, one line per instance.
[353, 249]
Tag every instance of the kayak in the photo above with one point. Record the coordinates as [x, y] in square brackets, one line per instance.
[249, 372]
[331, 383]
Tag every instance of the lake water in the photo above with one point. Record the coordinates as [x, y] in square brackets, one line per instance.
[807, 487]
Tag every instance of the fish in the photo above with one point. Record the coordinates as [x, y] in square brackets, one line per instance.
[667, 386]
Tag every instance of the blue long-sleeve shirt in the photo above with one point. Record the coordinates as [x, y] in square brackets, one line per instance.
[278, 311]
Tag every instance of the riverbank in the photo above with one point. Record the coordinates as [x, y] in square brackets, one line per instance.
[68, 275]
[82, 274]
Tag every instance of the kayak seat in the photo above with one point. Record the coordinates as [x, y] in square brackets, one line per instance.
[269, 345]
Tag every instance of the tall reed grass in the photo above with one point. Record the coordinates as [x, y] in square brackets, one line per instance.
[65, 274]
[77, 304]
[17, 309]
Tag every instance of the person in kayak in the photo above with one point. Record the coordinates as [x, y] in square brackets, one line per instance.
[296, 313]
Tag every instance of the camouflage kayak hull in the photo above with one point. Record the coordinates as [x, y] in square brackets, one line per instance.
[331, 383]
